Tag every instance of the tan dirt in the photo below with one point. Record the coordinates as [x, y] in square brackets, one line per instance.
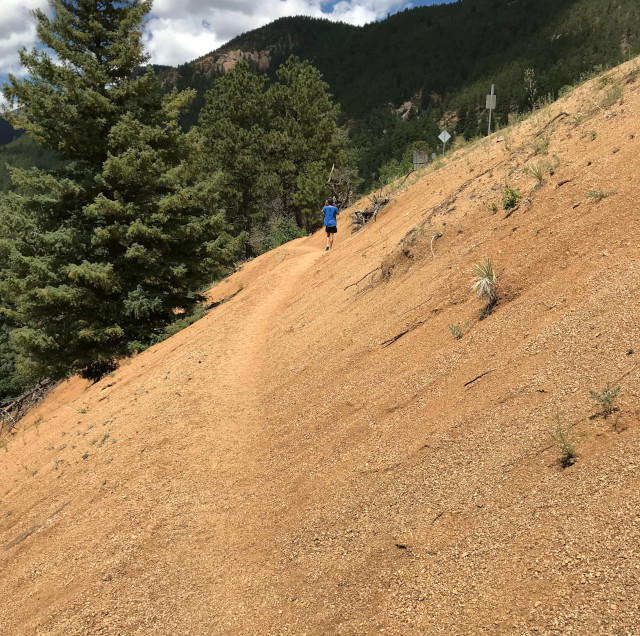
[274, 469]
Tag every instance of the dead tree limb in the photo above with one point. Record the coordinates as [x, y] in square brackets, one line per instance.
[361, 279]
[480, 376]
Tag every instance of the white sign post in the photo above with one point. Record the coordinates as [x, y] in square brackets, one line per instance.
[491, 104]
[444, 136]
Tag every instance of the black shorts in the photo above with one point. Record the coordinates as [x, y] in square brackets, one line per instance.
[330, 229]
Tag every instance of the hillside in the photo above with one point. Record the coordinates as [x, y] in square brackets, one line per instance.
[284, 466]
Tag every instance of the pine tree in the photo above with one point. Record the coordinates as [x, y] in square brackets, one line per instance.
[99, 254]
[308, 140]
[234, 125]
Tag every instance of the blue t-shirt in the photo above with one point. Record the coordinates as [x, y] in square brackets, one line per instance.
[330, 213]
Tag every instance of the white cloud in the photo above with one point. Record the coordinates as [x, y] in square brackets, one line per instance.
[17, 30]
[178, 31]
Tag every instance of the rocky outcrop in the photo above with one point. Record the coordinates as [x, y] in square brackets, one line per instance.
[226, 61]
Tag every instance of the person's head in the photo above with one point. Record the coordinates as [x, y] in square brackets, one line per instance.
[330, 201]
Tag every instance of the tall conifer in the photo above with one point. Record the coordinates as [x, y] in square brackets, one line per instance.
[98, 256]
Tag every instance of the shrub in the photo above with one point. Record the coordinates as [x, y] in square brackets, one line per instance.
[612, 96]
[277, 231]
[457, 331]
[605, 398]
[510, 198]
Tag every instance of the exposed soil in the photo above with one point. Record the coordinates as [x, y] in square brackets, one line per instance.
[274, 469]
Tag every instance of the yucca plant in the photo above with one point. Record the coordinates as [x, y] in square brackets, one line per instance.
[538, 170]
[486, 282]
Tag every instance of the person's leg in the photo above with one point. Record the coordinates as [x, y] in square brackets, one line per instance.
[331, 241]
[328, 240]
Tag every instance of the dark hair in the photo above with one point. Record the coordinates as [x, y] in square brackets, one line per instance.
[330, 201]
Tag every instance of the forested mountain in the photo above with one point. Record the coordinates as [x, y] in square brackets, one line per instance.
[450, 50]
[441, 58]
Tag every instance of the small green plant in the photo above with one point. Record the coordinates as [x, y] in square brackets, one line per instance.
[493, 207]
[485, 285]
[565, 90]
[592, 134]
[457, 331]
[538, 170]
[510, 198]
[541, 145]
[605, 398]
[577, 119]
[598, 195]
[612, 96]
[561, 437]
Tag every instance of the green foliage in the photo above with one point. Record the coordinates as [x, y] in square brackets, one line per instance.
[598, 195]
[541, 145]
[307, 140]
[605, 398]
[613, 95]
[457, 331]
[99, 252]
[510, 198]
[233, 127]
[272, 148]
[561, 438]
[275, 232]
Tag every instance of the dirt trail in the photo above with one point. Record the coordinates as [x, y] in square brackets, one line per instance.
[184, 536]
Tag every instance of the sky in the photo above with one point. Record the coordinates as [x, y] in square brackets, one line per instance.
[179, 31]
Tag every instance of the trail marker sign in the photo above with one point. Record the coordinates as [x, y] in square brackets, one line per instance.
[491, 105]
[444, 136]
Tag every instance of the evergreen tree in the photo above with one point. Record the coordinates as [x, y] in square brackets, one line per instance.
[308, 143]
[234, 127]
[99, 254]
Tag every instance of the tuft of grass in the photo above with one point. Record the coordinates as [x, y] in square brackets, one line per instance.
[605, 398]
[538, 170]
[612, 96]
[561, 438]
[486, 283]
[598, 195]
[541, 145]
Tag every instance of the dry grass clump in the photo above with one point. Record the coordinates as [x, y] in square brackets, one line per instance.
[486, 283]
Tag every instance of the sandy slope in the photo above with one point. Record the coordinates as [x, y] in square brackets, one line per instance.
[274, 469]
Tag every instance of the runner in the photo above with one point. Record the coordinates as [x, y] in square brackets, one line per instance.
[330, 218]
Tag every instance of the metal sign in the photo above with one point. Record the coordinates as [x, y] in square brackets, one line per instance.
[420, 159]
[491, 104]
[444, 136]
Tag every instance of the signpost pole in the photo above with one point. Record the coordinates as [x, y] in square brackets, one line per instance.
[444, 136]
